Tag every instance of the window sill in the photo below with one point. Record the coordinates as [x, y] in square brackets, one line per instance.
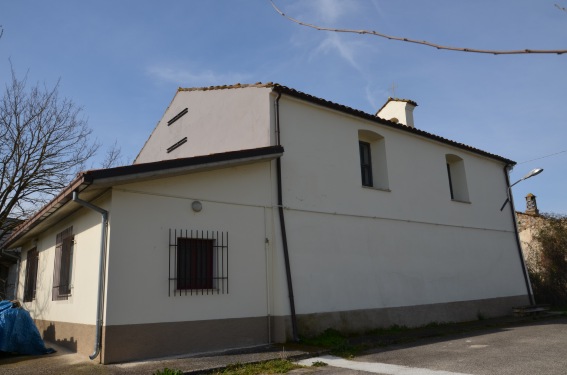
[376, 188]
[459, 201]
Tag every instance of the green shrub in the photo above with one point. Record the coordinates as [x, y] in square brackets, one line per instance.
[548, 270]
[335, 341]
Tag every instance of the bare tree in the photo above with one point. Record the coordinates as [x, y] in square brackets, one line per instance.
[422, 42]
[44, 142]
[113, 156]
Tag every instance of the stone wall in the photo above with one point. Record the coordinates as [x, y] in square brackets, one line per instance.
[528, 226]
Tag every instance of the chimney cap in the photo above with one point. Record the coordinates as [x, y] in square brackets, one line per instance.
[390, 99]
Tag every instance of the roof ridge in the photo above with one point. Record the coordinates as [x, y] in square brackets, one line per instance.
[233, 86]
[355, 112]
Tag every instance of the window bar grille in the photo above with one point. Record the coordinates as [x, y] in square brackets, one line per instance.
[199, 263]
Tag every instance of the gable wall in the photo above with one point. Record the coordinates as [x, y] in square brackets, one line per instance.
[216, 121]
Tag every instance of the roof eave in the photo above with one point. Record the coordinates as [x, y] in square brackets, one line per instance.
[104, 178]
[367, 116]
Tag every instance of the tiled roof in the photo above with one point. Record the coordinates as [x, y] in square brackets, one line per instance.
[390, 99]
[355, 112]
[110, 176]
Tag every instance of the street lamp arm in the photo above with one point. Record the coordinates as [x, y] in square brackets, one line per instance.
[532, 173]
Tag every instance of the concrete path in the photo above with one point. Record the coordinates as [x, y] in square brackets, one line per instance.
[373, 367]
[66, 363]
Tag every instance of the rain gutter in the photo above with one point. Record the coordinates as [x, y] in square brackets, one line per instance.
[282, 225]
[101, 271]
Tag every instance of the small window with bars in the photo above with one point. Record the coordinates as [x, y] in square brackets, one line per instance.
[198, 262]
[63, 265]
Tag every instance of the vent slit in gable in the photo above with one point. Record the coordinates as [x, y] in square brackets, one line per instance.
[177, 117]
[173, 147]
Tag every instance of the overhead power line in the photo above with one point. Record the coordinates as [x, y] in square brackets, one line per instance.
[543, 157]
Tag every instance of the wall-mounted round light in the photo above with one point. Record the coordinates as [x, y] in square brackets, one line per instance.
[197, 206]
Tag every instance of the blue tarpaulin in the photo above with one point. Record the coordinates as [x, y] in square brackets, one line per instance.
[18, 333]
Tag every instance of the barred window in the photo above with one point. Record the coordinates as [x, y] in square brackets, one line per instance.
[63, 265]
[198, 262]
[31, 275]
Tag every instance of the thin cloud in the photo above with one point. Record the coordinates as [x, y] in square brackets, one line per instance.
[331, 12]
[334, 43]
[379, 9]
[192, 78]
[375, 96]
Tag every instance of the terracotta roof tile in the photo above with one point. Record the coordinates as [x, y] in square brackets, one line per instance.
[355, 112]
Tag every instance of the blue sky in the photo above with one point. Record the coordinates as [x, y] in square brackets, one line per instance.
[122, 62]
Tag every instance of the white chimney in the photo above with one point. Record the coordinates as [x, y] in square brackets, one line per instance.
[398, 110]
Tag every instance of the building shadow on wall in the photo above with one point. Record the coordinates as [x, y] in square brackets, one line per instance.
[49, 335]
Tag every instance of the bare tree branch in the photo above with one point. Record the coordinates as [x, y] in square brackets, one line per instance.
[113, 157]
[422, 42]
[44, 142]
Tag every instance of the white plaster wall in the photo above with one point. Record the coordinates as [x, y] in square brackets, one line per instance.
[321, 172]
[353, 247]
[235, 200]
[400, 110]
[217, 121]
[81, 305]
[364, 263]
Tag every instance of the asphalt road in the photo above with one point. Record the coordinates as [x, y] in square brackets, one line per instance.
[529, 349]
[532, 347]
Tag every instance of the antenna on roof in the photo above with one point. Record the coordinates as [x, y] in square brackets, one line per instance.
[393, 89]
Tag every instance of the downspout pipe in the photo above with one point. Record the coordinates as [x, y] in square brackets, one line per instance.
[507, 169]
[282, 225]
[101, 270]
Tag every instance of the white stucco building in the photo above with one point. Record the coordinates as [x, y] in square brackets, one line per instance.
[257, 213]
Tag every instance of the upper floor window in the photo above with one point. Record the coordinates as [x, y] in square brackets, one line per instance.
[457, 178]
[373, 166]
[365, 163]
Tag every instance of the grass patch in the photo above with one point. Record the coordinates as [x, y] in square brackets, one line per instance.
[319, 364]
[335, 341]
[277, 366]
[168, 371]
[386, 331]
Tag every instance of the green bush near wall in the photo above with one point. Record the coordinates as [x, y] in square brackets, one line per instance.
[548, 269]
